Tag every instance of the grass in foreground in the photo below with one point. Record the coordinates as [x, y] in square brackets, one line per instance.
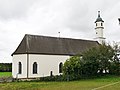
[72, 85]
[5, 74]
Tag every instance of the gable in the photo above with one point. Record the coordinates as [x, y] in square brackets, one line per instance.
[34, 44]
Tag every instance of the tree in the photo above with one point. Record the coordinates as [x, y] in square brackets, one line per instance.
[91, 64]
[115, 63]
[71, 68]
[106, 53]
[95, 61]
[99, 58]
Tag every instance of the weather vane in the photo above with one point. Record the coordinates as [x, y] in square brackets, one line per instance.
[59, 34]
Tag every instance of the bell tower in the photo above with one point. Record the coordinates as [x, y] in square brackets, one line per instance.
[99, 29]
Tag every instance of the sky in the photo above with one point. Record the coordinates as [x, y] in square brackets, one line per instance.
[72, 18]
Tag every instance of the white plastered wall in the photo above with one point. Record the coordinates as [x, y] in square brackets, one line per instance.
[16, 59]
[46, 63]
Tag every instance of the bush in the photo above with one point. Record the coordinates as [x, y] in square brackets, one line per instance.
[52, 78]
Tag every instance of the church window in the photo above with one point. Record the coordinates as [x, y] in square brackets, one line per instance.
[19, 68]
[60, 67]
[35, 68]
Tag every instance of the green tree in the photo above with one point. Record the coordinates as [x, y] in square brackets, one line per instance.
[94, 61]
[91, 64]
[99, 59]
[72, 66]
[115, 63]
[106, 53]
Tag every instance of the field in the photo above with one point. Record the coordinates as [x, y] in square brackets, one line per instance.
[104, 83]
[5, 74]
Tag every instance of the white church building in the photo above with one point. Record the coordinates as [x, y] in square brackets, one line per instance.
[40, 56]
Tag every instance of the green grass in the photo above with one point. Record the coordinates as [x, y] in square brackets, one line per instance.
[5, 74]
[72, 85]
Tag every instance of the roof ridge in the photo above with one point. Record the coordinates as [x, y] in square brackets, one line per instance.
[59, 37]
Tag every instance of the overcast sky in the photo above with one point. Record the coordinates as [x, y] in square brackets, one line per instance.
[73, 18]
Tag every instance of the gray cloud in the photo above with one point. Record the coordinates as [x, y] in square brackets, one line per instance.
[15, 8]
[73, 18]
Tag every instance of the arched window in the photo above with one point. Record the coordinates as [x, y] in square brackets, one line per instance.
[19, 68]
[60, 67]
[35, 68]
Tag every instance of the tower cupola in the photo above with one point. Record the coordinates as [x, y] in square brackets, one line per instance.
[99, 19]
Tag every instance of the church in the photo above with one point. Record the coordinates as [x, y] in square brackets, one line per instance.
[40, 56]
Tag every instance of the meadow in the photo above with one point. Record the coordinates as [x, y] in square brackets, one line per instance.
[103, 83]
[5, 74]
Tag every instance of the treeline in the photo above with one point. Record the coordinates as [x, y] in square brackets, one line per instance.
[5, 67]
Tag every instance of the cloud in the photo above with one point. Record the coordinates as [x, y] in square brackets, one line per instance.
[60, 14]
[14, 8]
[73, 18]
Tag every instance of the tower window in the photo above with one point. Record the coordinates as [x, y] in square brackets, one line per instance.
[101, 24]
[19, 68]
[96, 24]
[35, 68]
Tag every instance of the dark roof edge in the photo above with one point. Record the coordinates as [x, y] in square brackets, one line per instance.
[46, 54]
